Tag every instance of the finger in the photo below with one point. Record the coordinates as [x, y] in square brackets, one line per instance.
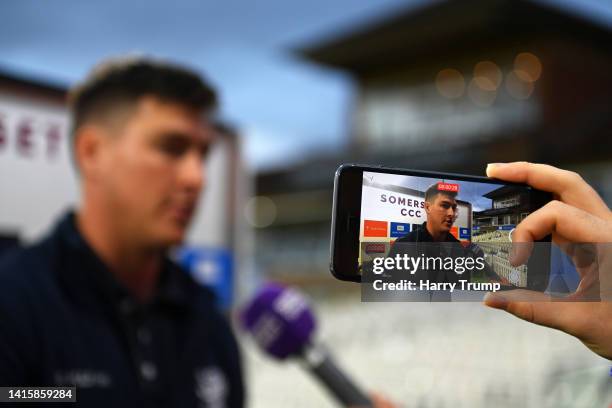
[564, 222]
[568, 222]
[520, 252]
[567, 185]
[584, 254]
[539, 308]
[593, 262]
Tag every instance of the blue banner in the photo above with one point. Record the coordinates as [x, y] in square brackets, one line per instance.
[211, 267]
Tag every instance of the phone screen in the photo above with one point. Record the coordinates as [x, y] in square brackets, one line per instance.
[439, 228]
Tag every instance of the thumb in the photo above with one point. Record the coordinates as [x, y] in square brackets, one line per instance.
[583, 320]
[533, 307]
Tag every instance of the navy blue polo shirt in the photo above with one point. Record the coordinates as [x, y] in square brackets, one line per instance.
[66, 321]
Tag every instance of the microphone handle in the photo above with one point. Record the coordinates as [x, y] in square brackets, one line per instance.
[323, 367]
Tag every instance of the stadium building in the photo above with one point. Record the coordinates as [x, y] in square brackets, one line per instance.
[510, 205]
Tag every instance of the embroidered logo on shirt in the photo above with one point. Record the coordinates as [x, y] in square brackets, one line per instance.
[211, 387]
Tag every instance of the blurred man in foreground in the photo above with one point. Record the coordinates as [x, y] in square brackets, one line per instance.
[97, 304]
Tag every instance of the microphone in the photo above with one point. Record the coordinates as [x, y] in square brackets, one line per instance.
[282, 324]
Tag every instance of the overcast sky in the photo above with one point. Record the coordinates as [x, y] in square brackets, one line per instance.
[283, 106]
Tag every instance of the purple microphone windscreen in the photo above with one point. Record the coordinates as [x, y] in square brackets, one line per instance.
[279, 319]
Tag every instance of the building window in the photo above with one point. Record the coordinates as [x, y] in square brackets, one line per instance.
[507, 202]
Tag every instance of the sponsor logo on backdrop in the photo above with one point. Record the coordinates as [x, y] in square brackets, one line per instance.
[399, 229]
[373, 228]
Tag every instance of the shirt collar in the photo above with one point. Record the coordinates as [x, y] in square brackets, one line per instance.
[84, 271]
[425, 236]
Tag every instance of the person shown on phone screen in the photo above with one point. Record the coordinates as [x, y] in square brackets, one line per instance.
[441, 209]
[433, 239]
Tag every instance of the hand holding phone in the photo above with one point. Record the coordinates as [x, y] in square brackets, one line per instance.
[576, 218]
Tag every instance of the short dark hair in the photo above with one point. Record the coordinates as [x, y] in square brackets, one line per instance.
[118, 81]
[432, 192]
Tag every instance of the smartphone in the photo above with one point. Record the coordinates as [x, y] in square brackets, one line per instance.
[377, 210]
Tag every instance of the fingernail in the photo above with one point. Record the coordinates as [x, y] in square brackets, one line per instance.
[491, 166]
[495, 300]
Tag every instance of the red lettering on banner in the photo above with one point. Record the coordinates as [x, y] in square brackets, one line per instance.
[53, 140]
[26, 137]
[24, 134]
[453, 188]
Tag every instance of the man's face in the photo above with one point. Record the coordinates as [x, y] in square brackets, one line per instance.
[153, 171]
[441, 213]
